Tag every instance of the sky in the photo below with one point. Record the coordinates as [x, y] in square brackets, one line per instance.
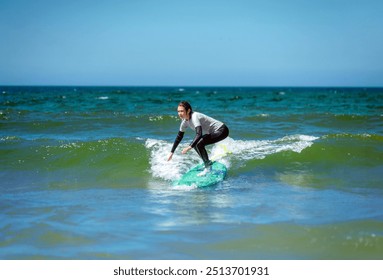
[192, 42]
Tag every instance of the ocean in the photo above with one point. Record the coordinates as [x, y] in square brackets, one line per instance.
[83, 174]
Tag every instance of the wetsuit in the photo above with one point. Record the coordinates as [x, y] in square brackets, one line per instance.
[208, 131]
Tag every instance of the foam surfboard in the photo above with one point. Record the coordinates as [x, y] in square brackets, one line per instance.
[216, 175]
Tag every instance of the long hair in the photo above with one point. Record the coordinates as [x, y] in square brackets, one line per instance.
[186, 105]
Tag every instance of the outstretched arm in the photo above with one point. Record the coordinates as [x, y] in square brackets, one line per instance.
[177, 141]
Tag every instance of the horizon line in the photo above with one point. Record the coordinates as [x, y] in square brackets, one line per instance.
[190, 86]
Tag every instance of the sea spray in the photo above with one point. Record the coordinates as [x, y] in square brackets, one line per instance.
[225, 151]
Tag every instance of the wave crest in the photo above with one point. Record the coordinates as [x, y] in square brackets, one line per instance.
[226, 151]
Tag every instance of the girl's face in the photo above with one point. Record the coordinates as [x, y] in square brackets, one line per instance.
[182, 113]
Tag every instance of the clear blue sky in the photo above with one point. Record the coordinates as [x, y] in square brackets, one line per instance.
[196, 42]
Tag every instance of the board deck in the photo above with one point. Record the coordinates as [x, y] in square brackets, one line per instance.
[216, 175]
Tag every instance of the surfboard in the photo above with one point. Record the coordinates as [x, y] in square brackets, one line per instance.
[216, 175]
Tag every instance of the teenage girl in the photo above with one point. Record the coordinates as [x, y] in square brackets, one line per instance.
[208, 131]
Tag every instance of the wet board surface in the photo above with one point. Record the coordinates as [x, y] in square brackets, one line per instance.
[191, 178]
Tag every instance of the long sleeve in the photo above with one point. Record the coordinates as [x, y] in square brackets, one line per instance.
[178, 140]
[197, 137]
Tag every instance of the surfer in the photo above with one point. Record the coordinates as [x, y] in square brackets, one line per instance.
[208, 131]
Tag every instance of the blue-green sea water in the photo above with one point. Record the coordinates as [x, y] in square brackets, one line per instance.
[83, 174]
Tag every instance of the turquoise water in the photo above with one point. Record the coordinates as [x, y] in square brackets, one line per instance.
[84, 174]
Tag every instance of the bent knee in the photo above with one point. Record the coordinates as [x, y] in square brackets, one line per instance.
[200, 144]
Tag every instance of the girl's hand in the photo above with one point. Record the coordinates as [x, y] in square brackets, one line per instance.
[170, 156]
[188, 148]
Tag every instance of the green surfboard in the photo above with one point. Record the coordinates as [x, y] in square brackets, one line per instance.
[216, 175]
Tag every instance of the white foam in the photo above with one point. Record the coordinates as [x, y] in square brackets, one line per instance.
[224, 152]
[168, 170]
[259, 149]
[156, 118]
[185, 187]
